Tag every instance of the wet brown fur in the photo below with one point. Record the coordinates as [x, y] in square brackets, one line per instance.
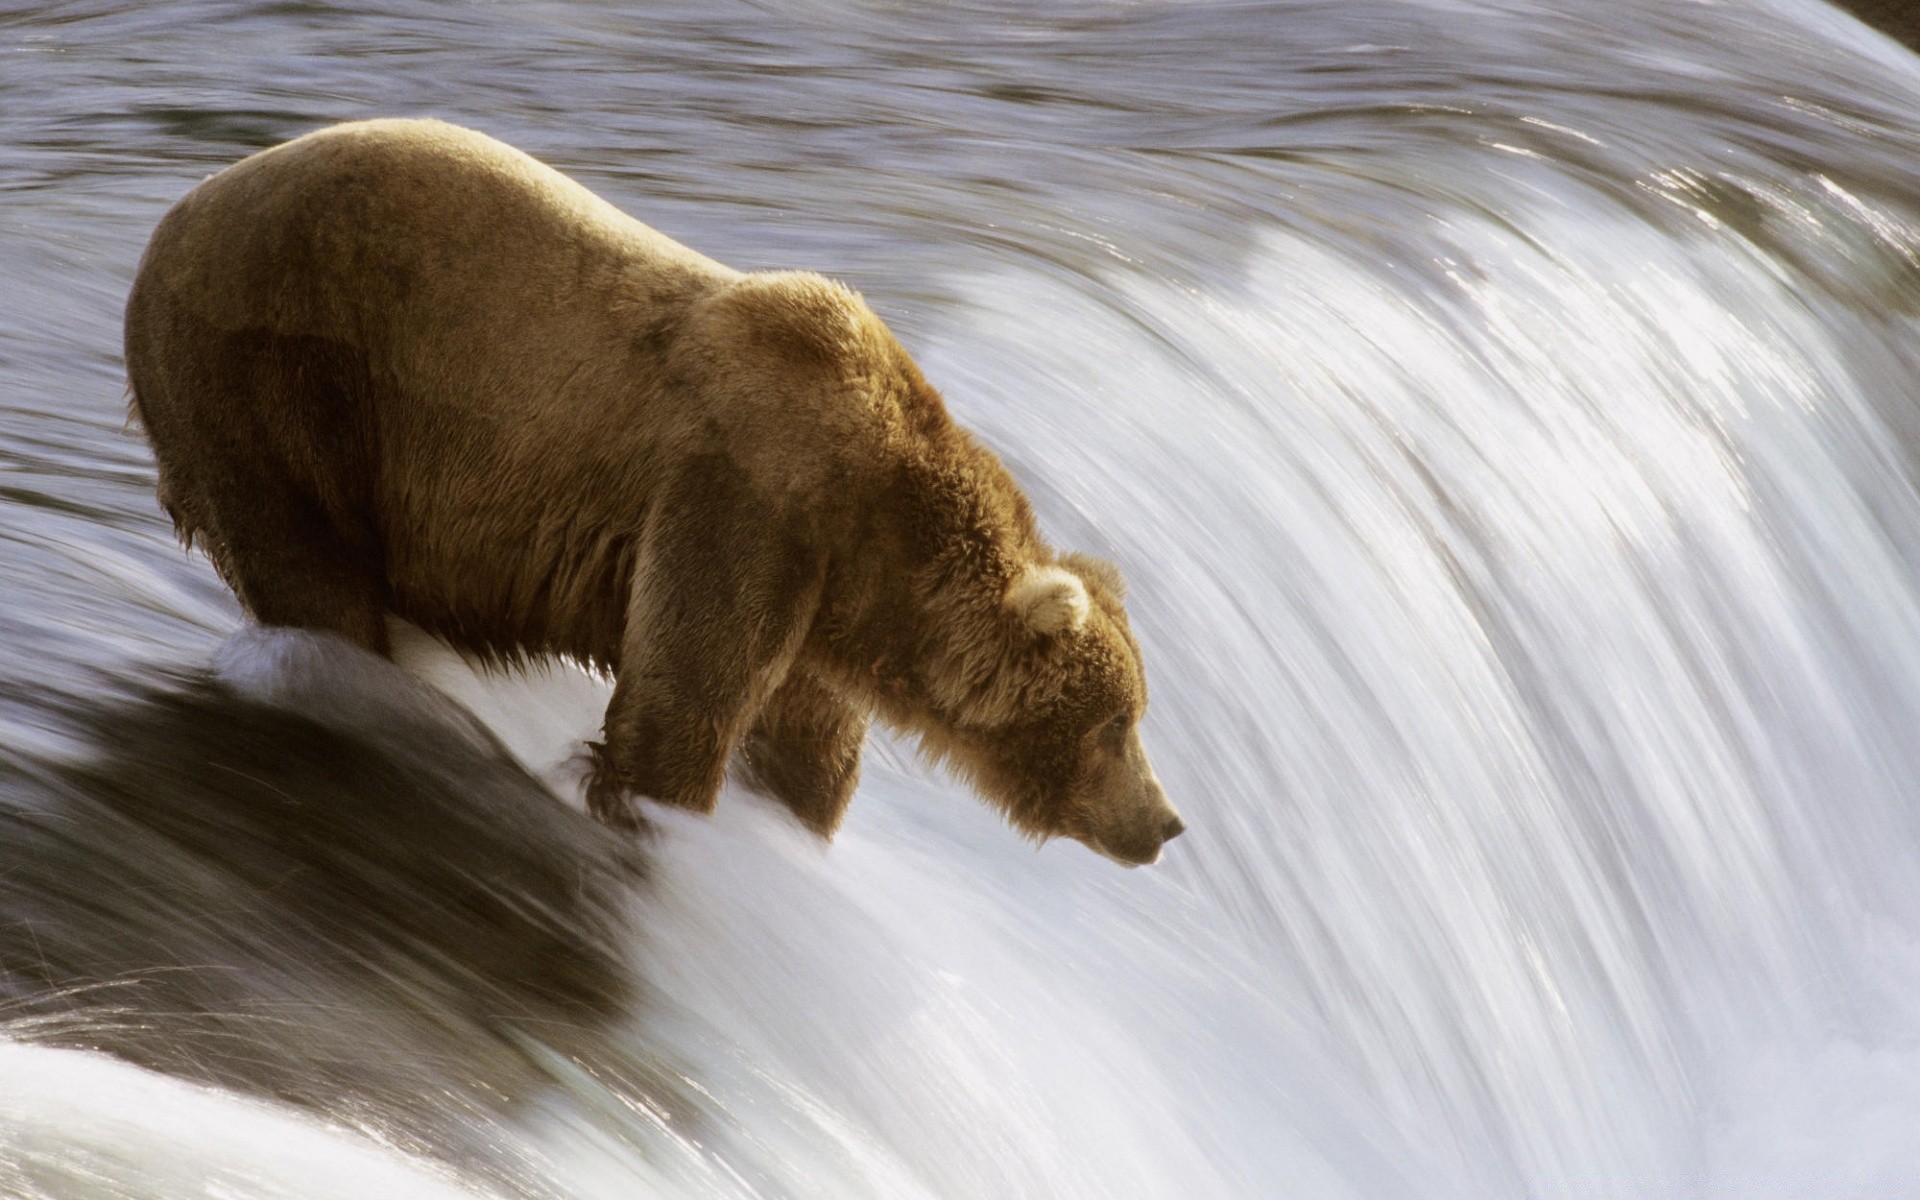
[397, 366]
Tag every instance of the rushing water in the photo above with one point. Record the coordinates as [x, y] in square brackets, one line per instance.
[1504, 409]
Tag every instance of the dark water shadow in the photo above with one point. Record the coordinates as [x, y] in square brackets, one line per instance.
[339, 895]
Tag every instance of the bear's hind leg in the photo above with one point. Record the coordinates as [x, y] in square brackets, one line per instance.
[804, 751]
[254, 434]
[290, 566]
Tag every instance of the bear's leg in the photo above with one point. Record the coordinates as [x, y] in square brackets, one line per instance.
[290, 566]
[246, 428]
[804, 751]
[723, 593]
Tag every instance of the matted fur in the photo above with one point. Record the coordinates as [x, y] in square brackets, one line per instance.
[399, 366]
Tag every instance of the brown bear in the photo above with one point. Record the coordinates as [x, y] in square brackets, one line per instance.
[399, 367]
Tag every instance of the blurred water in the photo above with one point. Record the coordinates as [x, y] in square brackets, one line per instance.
[1503, 410]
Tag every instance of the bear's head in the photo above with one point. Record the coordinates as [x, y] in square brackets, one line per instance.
[1050, 731]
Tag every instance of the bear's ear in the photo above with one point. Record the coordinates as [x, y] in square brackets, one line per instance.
[1049, 599]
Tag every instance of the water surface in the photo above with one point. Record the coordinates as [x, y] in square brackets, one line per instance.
[1504, 413]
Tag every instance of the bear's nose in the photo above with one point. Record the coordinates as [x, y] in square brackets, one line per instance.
[1173, 828]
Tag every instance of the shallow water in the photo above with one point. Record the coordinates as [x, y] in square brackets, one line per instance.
[1503, 411]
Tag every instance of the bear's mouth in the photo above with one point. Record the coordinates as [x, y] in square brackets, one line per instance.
[1128, 861]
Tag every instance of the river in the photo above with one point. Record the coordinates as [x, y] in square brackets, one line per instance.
[1504, 411]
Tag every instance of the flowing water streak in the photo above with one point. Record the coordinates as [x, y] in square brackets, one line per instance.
[82, 1127]
[1504, 413]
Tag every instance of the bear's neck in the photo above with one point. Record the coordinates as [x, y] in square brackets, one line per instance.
[917, 628]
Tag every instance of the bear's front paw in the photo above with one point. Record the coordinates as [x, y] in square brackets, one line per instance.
[609, 801]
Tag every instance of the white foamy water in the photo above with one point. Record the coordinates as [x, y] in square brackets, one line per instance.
[79, 1126]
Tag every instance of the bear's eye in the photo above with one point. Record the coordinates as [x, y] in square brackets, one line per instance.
[1114, 733]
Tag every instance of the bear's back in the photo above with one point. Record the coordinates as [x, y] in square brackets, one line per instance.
[406, 231]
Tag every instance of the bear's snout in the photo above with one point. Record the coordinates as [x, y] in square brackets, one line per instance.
[1134, 835]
